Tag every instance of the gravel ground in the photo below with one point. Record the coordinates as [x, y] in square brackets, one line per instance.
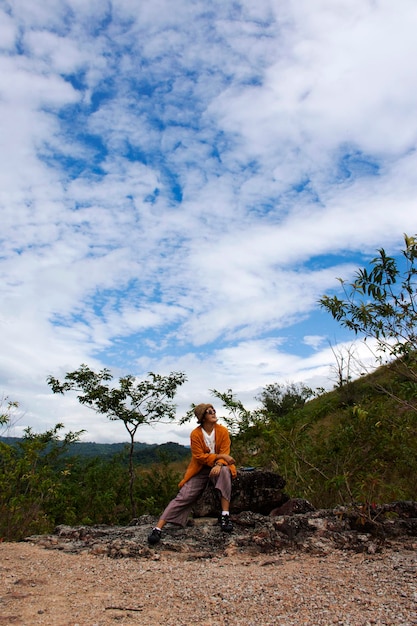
[54, 588]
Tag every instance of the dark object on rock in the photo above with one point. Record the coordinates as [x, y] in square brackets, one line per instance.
[293, 506]
[225, 524]
[257, 490]
[154, 536]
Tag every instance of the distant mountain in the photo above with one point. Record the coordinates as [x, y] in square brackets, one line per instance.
[144, 454]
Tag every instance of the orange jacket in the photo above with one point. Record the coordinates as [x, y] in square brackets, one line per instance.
[201, 454]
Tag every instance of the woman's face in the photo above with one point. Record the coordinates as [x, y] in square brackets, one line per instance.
[210, 417]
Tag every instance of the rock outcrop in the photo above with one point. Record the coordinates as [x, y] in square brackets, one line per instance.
[265, 520]
[390, 526]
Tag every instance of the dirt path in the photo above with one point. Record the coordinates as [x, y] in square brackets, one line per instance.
[53, 588]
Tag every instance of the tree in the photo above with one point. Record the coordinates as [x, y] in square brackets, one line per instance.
[381, 303]
[279, 400]
[133, 402]
[345, 358]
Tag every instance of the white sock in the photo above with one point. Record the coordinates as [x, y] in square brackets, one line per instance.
[225, 512]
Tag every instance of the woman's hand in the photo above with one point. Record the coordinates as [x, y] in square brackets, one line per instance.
[226, 457]
[215, 470]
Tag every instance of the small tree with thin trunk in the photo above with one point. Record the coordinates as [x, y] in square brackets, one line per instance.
[133, 402]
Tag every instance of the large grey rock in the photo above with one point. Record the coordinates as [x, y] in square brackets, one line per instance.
[258, 491]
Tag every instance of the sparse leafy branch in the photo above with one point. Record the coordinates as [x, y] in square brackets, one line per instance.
[381, 304]
[343, 368]
[347, 365]
[133, 402]
[239, 418]
[8, 410]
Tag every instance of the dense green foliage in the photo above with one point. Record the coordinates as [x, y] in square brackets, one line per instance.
[31, 485]
[41, 485]
[47, 479]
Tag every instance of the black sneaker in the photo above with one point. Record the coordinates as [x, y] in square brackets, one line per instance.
[154, 536]
[226, 524]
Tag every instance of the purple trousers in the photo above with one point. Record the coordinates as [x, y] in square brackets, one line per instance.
[179, 508]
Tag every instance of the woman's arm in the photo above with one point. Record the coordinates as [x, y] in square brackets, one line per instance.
[223, 447]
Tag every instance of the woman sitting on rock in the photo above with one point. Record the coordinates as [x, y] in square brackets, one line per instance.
[210, 462]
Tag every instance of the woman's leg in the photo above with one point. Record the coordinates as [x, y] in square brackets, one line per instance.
[223, 483]
[179, 508]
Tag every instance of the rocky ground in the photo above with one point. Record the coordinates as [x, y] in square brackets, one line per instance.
[319, 568]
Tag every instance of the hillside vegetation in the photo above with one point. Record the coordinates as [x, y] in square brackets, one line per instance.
[356, 445]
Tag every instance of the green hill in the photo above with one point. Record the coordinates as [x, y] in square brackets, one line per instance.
[357, 443]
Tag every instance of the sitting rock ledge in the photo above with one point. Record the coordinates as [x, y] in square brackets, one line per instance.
[294, 526]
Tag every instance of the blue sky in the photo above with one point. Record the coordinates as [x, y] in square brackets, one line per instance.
[181, 182]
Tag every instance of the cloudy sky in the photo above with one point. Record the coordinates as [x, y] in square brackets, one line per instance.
[181, 181]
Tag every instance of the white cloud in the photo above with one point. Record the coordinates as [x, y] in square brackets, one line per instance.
[7, 31]
[178, 188]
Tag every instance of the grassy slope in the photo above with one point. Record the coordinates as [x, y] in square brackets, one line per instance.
[355, 444]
